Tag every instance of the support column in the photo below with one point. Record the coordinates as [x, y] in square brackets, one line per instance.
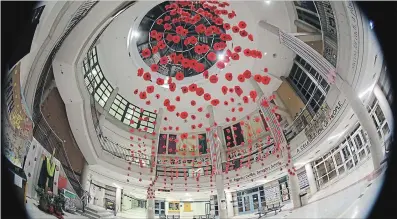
[366, 122]
[311, 178]
[385, 107]
[220, 189]
[150, 208]
[84, 177]
[118, 199]
[108, 104]
[294, 190]
[235, 206]
[229, 205]
[157, 126]
[324, 68]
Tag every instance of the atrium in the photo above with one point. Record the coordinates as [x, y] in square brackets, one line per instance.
[199, 109]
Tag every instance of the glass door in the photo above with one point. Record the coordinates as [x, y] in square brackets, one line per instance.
[247, 204]
[256, 202]
[359, 143]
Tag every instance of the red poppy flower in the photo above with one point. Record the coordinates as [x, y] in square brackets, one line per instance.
[226, 26]
[169, 37]
[160, 81]
[207, 115]
[243, 33]
[220, 65]
[247, 52]
[193, 40]
[235, 56]
[215, 102]
[205, 74]
[140, 72]
[136, 91]
[232, 99]
[242, 24]
[146, 53]
[167, 18]
[251, 37]
[265, 80]
[230, 15]
[171, 108]
[147, 76]
[150, 89]
[186, 63]
[207, 96]
[142, 95]
[177, 98]
[192, 87]
[200, 109]
[154, 67]
[148, 102]
[199, 67]
[238, 90]
[253, 94]
[237, 49]
[235, 29]
[176, 39]
[218, 21]
[179, 76]
[164, 60]
[155, 49]
[265, 69]
[240, 109]
[258, 78]
[247, 74]
[224, 90]
[184, 115]
[229, 76]
[233, 109]
[211, 56]
[159, 21]
[245, 99]
[172, 87]
[199, 91]
[241, 78]
[166, 102]
[193, 103]
[157, 96]
[184, 89]
[214, 79]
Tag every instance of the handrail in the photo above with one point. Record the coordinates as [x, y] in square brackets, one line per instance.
[42, 130]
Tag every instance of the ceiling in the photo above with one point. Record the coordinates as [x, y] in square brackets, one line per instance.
[121, 70]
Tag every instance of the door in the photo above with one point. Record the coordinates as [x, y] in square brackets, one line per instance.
[247, 204]
[360, 145]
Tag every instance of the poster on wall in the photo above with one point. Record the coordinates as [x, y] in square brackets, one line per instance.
[17, 125]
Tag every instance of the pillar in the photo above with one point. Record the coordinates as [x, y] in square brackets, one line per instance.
[385, 107]
[108, 104]
[311, 178]
[220, 189]
[84, 177]
[294, 190]
[150, 208]
[366, 122]
[229, 205]
[157, 126]
[118, 199]
[323, 67]
[235, 204]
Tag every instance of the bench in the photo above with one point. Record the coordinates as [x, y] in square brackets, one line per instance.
[262, 211]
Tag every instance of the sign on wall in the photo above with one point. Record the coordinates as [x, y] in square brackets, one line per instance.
[17, 125]
[253, 174]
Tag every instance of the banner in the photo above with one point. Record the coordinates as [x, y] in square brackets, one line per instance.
[17, 125]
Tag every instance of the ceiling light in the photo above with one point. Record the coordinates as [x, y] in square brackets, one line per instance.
[265, 53]
[221, 57]
[135, 34]
[267, 2]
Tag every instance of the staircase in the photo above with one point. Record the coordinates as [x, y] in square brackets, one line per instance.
[96, 212]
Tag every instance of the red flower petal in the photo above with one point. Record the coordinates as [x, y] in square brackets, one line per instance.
[193, 103]
[184, 89]
[192, 87]
[224, 90]
[184, 115]
[160, 81]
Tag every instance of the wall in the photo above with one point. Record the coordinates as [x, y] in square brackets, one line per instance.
[198, 208]
[53, 110]
[291, 100]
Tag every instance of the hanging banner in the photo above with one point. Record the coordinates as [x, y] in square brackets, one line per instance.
[17, 125]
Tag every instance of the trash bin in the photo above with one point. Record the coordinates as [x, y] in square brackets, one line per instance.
[304, 198]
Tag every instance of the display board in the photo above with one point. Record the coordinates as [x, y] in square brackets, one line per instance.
[16, 122]
[303, 181]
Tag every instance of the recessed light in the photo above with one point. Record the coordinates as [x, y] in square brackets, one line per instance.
[265, 53]
[267, 2]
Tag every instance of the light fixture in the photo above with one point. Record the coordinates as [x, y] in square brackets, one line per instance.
[135, 34]
[265, 53]
[221, 57]
[371, 25]
[267, 2]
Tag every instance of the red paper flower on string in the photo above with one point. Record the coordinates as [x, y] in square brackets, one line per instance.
[164, 60]
[265, 80]
[214, 79]
[235, 29]
[184, 89]
[226, 26]
[211, 56]
[215, 102]
[250, 37]
[146, 53]
[229, 76]
[247, 52]
[154, 67]
[159, 81]
[242, 24]
[136, 91]
[224, 90]
[207, 96]
[235, 56]
[258, 78]
[192, 87]
[220, 65]
[140, 72]
[200, 109]
[205, 74]
[147, 76]
[241, 78]
[199, 91]
[177, 98]
[238, 90]
[166, 102]
[142, 95]
[150, 89]
[155, 49]
[247, 74]
[172, 87]
[179, 76]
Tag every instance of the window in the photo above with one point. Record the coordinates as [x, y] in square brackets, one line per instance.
[159, 207]
[131, 115]
[94, 80]
[309, 18]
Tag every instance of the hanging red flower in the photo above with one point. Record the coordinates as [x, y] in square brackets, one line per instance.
[215, 102]
[235, 56]
[220, 65]
[177, 98]
[265, 69]
[142, 95]
[192, 87]
[224, 90]
[150, 89]
[154, 67]
[250, 37]
[238, 90]
[247, 52]
[147, 76]
[265, 80]
[200, 109]
[157, 96]
[146, 53]
[235, 29]
[229, 76]
[159, 21]
[172, 87]
[258, 78]
[136, 91]
[226, 26]
[199, 91]
[166, 102]
[214, 79]
[205, 74]
[193, 103]
[207, 96]
[184, 115]
[253, 94]
[164, 60]
[247, 74]
[211, 56]
[179, 76]
[241, 78]
[155, 49]
[159, 81]
[245, 99]
[242, 24]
